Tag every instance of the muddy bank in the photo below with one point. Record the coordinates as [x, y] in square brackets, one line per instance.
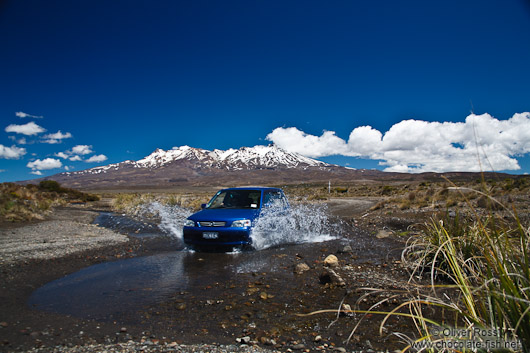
[258, 305]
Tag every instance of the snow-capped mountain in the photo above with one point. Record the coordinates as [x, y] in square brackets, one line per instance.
[188, 166]
[243, 158]
[257, 157]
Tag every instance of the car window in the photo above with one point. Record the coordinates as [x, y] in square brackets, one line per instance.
[274, 199]
[235, 199]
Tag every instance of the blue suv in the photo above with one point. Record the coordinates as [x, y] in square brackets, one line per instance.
[227, 220]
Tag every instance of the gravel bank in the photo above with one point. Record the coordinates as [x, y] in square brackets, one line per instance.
[148, 347]
[54, 238]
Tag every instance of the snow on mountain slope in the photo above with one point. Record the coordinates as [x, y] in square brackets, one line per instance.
[256, 157]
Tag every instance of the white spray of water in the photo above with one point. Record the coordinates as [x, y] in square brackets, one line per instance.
[171, 217]
[304, 223]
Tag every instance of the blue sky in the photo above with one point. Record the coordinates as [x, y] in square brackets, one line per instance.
[119, 79]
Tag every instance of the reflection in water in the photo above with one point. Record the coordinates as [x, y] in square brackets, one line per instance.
[108, 289]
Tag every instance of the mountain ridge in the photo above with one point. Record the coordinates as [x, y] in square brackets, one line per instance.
[256, 157]
[187, 166]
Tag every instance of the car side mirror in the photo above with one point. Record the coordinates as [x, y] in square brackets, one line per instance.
[203, 205]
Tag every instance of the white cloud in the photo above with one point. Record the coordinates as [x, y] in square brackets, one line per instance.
[36, 172]
[45, 164]
[25, 115]
[12, 152]
[298, 141]
[28, 129]
[81, 149]
[56, 138]
[97, 158]
[76, 152]
[482, 142]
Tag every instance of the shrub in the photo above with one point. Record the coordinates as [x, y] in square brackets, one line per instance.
[50, 185]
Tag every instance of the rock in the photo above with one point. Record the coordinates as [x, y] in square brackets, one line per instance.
[298, 347]
[318, 338]
[330, 276]
[331, 261]
[245, 339]
[267, 341]
[383, 233]
[339, 349]
[346, 310]
[346, 249]
[324, 278]
[301, 268]
[123, 329]
[3, 324]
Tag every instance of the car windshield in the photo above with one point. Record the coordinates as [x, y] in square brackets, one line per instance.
[236, 199]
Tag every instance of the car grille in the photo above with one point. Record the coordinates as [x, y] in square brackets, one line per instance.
[211, 224]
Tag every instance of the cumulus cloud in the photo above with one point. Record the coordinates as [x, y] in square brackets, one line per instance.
[74, 154]
[56, 138]
[75, 158]
[61, 155]
[12, 152]
[28, 129]
[97, 158]
[481, 142]
[81, 150]
[45, 164]
[298, 141]
[26, 115]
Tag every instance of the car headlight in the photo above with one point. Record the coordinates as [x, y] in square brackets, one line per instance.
[241, 223]
[189, 223]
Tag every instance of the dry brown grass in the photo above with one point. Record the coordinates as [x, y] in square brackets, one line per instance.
[29, 202]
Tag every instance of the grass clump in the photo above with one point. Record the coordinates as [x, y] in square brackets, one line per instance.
[28, 202]
[477, 266]
[484, 266]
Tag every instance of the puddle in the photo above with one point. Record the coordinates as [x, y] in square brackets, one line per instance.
[109, 290]
[118, 289]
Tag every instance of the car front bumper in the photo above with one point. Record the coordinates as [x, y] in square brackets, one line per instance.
[226, 236]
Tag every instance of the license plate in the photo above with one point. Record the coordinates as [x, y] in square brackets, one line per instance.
[210, 235]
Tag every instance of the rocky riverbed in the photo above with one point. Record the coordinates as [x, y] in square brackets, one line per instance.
[263, 308]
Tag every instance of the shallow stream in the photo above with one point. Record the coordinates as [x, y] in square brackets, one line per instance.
[114, 289]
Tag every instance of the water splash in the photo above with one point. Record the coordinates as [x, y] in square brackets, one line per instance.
[304, 223]
[170, 217]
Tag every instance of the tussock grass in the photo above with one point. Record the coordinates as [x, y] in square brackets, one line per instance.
[484, 260]
[29, 202]
[478, 267]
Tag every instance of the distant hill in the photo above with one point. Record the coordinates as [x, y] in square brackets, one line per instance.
[188, 166]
